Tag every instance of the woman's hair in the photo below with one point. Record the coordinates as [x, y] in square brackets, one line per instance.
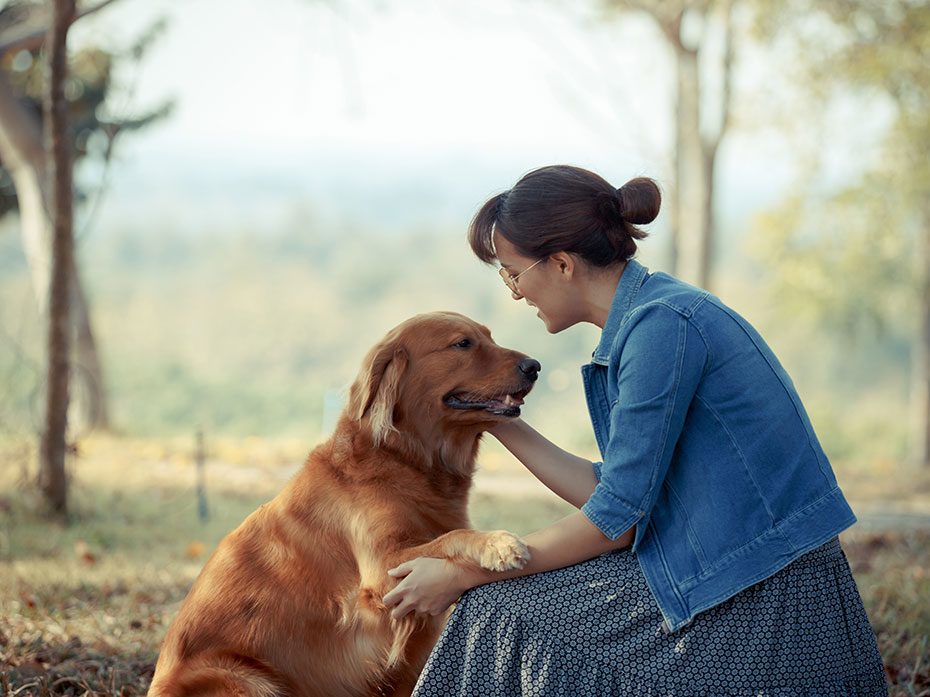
[567, 209]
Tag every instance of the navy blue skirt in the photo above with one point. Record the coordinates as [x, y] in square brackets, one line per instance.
[595, 629]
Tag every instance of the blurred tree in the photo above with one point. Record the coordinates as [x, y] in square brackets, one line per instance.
[860, 257]
[52, 479]
[688, 26]
[23, 164]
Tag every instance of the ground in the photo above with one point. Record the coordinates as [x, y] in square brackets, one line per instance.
[83, 607]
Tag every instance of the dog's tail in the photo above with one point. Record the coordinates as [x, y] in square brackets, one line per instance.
[403, 629]
[219, 675]
[371, 604]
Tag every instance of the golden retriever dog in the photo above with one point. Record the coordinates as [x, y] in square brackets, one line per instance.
[290, 601]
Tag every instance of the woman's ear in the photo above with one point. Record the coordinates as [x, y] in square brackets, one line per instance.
[566, 264]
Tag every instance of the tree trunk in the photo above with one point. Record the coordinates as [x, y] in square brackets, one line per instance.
[671, 28]
[24, 157]
[692, 204]
[710, 148]
[94, 412]
[920, 395]
[52, 480]
[920, 363]
[691, 200]
[706, 243]
[690, 184]
[23, 154]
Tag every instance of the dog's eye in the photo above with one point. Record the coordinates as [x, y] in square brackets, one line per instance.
[462, 344]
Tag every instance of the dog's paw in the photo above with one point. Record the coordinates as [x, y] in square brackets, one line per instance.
[502, 551]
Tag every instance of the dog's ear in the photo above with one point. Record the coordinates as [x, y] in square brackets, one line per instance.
[377, 388]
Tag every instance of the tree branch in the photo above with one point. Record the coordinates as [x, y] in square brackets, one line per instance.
[727, 96]
[710, 144]
[30, 37]
[667, 15]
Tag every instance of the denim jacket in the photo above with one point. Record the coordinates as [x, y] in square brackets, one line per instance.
[706, 447]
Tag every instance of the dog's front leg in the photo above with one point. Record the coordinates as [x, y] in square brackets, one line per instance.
[498, 551]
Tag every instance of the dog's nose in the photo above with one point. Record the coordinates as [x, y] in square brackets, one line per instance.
[530, 368]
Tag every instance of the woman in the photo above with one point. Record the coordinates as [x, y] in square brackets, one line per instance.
[704, 558]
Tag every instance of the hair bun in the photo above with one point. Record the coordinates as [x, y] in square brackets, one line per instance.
[639, 200]
[609, 208]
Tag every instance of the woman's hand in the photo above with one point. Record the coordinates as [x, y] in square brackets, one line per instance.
[428, 587]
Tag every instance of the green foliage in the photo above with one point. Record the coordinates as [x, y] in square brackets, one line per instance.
[246, 333]
[849, 253]
[88, 85]
[845, 261]
[85, 91]
[857, 249]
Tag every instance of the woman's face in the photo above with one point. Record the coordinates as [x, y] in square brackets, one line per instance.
[544, 286]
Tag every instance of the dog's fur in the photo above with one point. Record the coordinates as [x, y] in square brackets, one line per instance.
[290, 603]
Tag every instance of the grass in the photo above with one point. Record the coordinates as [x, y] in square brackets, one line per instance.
[893, 573]
[83, 608]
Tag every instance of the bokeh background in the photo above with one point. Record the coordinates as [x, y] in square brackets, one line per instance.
[310, 183]
[264, 189]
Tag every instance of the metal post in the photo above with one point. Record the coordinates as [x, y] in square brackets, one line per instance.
[202, 511]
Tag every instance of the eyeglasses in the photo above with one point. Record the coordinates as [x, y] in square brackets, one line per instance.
[511, 281]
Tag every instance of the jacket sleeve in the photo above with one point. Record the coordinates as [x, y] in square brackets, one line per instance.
[661, 361]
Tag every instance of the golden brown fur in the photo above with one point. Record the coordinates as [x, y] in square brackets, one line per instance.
[290, 602]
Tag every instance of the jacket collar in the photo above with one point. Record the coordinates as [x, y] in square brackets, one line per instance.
[630, 281]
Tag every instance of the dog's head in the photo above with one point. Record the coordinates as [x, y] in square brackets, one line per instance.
[439, 373]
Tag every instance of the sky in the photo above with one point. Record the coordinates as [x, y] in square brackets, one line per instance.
[343, 103]
[404, 113]
[304, 74]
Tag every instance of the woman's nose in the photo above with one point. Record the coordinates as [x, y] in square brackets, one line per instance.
[516, 295]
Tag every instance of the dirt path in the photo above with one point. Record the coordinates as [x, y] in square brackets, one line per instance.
[875, 516]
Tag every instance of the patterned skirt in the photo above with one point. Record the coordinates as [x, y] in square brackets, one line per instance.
[595, 629]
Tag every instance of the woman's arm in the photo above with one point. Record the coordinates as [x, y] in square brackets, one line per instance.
[570, 477]
[429, 586]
